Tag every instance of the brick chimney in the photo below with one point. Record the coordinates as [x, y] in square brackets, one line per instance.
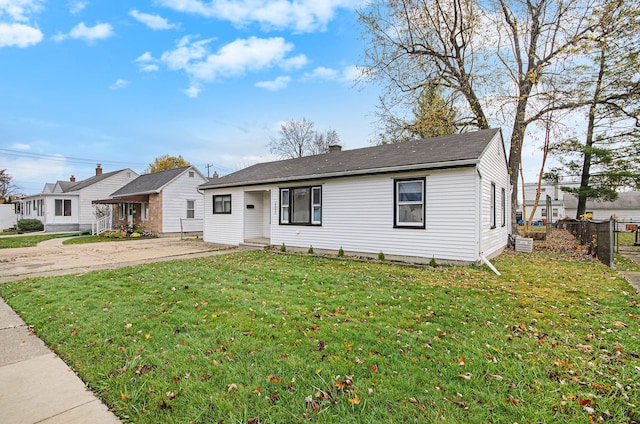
[98, 169]
[335, 148]
[215, 174]
[72, 179]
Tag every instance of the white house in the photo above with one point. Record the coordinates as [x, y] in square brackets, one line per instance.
[162, 202]
[556, 196]
[625, 209]
[444, 198]
[66, 205]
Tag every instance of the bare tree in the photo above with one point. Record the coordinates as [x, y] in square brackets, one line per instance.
[299, 138]
[491, 56]
[7, 187]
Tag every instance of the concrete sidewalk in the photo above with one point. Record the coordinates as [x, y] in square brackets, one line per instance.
[633, 254]
[36, 385]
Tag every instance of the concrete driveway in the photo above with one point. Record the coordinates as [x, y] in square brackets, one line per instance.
[51, 257]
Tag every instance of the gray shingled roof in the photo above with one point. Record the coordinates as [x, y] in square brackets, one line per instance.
[149, 183]
[625, 200]
[70, 186]
[446, 151]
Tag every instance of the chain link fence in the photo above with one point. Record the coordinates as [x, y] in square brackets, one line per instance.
[597, 236]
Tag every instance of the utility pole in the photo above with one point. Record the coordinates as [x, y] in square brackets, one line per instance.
[208, 166]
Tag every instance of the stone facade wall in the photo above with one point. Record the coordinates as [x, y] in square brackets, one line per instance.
[154, 223]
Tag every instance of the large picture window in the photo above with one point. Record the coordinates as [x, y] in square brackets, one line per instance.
[222, 204]
[409, 203]
[301, 205]
[63, 207]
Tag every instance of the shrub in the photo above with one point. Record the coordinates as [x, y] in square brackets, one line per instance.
[113, 234]
[433, 262]
[340, 252]
[381, 256]
[310, 251]
[283, 248]
[30, 224]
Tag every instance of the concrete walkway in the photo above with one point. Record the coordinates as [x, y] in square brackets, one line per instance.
[36, 386]
[632, 253]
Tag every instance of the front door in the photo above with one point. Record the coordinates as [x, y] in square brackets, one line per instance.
[131, 210]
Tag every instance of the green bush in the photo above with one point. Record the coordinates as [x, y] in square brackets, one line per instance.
[381, 256]
[30, 224]
[340, 252]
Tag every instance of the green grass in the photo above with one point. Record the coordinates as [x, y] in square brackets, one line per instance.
[297, 339]
[25, 241]
[99, 239]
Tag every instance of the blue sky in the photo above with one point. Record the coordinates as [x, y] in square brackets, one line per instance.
[120, 83]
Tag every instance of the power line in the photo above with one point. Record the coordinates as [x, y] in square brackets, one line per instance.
[60, 158]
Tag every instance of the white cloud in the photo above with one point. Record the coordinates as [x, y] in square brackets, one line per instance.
[348, 74]
[88, 34]
[20, 146]
[236, 58]
[119, 84]
[155, 22]
[192, 91]
[19, 35]
[299, 15]
[77, 6]
[18, 10]
[275, 85]
[147, 63]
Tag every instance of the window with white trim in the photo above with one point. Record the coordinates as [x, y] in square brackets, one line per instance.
[222, 204]
[191, 209]
[122, 211]
[63, 207]
[301, 205]
[144, 211]
[409, 208]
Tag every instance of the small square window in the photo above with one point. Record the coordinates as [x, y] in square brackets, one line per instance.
[222, 204]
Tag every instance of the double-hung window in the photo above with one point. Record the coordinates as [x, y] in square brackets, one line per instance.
[409, 203]
[191, 209]
[301, 205]
[63, 207]
[503, 206]
[492, 213]
[222, 204]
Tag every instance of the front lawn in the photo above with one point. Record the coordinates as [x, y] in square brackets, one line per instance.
[272, 338]
[25, 241]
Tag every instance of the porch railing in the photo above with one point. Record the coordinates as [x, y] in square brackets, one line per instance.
[101, 225]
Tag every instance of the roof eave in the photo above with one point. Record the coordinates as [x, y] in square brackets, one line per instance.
[355, 173]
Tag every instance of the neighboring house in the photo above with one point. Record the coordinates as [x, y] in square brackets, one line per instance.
[626, 208]
[161, 202]
[556, 197]
[444, 198]
[8, 217]
[66, 205]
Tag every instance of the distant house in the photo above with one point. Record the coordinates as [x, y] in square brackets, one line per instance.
[66, 205]
[444, 198]
[555, 212]
[161, 202]
[626, 208]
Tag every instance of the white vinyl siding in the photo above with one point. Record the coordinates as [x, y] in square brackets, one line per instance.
[493, 173]
[100, 190]
[358, 215]
[224, 228]
[174, 197]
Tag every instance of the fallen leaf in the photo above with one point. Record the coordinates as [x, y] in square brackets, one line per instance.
[231, 386]
[355, 400]
[589, 410]
[584, 401]
[466, 376]
[124, 396]
[171, 395]
[462, 362]
[620, 324]
[374, 369]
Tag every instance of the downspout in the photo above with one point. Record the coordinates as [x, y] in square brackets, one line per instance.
[479, 226]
